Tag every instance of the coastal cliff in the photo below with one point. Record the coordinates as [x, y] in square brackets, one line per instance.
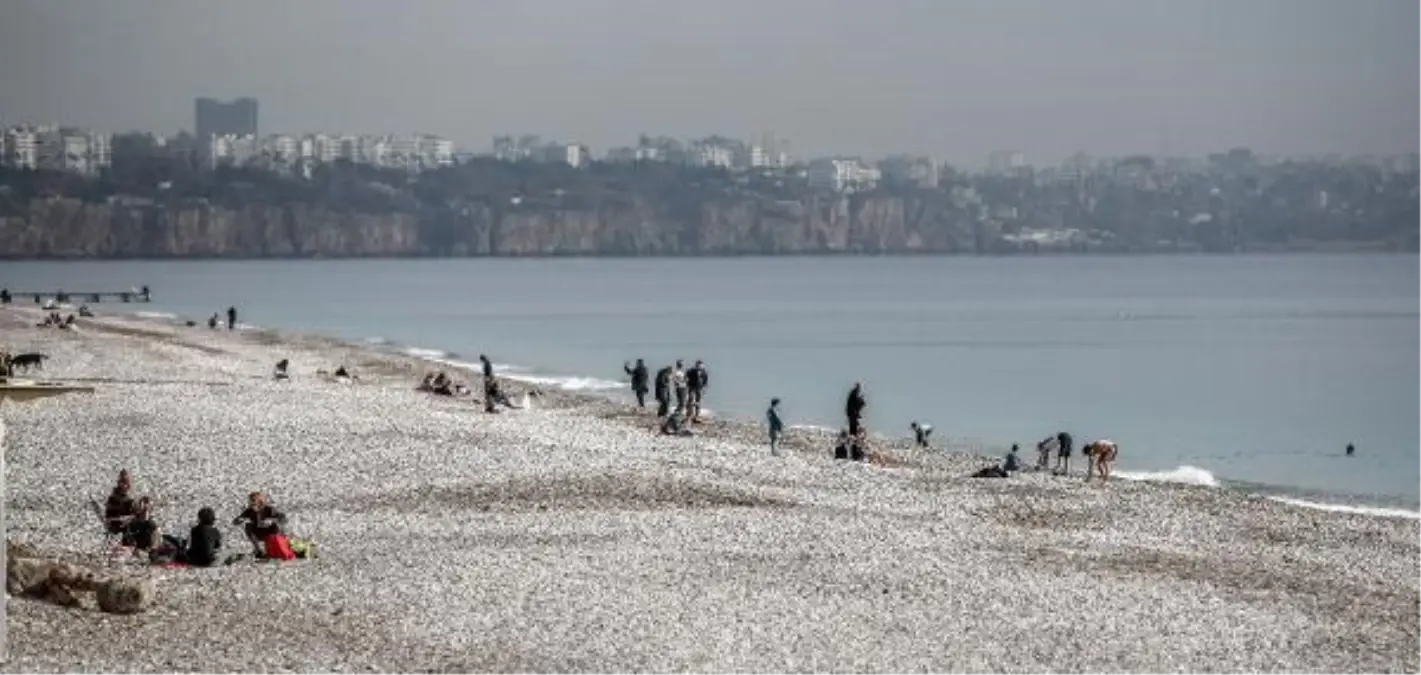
[62, 227]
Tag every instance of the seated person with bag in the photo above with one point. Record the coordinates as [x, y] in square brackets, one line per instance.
[261, 523]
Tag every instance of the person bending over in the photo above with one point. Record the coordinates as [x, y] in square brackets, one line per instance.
[1102, 455]
[259, 521]
[921, 433]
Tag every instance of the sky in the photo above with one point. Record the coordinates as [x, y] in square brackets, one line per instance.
[954, 79]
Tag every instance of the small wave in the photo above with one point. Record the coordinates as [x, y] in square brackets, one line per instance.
[166, 316]
[1374, 511]
[817, 428]
[567, 383]
[378, 341]
[1184, 475]
[431, 354]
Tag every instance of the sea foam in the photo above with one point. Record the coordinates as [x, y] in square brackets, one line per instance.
[1374, 511]
[1183, 475]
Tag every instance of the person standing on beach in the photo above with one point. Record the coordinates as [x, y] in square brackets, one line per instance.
[777, 426]
[853, 408]
[639, 378]
[697, 379]
[1063, 453]
[231, 318]
[678, 382]
[490, 387]
[663, 391]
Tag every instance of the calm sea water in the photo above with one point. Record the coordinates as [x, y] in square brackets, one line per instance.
[1259, 370]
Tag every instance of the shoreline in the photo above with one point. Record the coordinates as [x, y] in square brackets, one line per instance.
[569, 537]
[602, 391]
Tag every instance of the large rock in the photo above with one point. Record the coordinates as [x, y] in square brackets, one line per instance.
[125, 596]
[48, 580]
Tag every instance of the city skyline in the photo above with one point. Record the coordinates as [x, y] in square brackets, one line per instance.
[953, 80]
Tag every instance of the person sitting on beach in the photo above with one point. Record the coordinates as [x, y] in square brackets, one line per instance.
[140, 532]
[1102, 454]
[203, 541]
[342, 372]
[1012, 462]
[119, 508]
[281, 366]
[212, 321]
[921, 433]
[675, 425]
[841, 445]
[84, 312]
[259, 521]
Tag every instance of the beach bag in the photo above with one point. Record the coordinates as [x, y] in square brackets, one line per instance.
[303, 548]
[278, 547]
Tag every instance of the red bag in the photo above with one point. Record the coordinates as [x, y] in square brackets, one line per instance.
[278, 548]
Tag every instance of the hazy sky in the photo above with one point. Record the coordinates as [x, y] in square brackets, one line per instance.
[953, 78]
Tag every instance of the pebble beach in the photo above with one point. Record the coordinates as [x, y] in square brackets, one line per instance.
[570, 537]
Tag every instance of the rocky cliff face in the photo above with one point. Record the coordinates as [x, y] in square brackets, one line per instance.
[68, 228]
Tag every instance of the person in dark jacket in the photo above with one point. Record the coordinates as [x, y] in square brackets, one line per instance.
[259, 521]
[697, 379]
[639, 381]
[663, 391]
[1063, 453]
[231, 318]
[204, 541]
[777, 426]
[854, 409]
[141, 533]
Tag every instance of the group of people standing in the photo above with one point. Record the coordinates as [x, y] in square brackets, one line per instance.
[687, 385]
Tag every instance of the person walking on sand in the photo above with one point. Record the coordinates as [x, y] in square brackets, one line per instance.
[489, 384]
[777, 426]
[853, 409]
[678, 382]
[231, 318]
[663, 391]
[639, 381]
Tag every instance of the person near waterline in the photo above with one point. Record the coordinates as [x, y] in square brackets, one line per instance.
[841, 445]
[1351, 449]
[1012, 462]
[639, 381]
[777, 426]
[212, 321]
[853, 409]
[921, 433]
[678, 383]
[488, 383]
[675, 425]
[1102, 454]
[231, 318]
[697, 379]
[1063, 453]
[663, 391]
[1044, 449]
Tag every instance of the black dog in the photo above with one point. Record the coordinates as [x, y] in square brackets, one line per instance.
[29, 360]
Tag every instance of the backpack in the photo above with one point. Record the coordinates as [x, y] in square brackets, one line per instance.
[303, 548]
[278, 547]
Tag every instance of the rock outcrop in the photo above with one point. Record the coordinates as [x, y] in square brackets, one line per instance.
[627, 225]
[62, 583]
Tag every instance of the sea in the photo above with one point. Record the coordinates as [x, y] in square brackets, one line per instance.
[1236, 372]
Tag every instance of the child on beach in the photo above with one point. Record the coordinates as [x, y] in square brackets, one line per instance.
[259, 520]
[204, 541]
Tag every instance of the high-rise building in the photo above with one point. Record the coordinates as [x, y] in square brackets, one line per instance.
[223, 118]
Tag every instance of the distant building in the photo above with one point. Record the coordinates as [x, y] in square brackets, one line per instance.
[233, 150]
[1006, 161]
[220, 118]
[22, 148]
[841, 175]
[918, 171]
